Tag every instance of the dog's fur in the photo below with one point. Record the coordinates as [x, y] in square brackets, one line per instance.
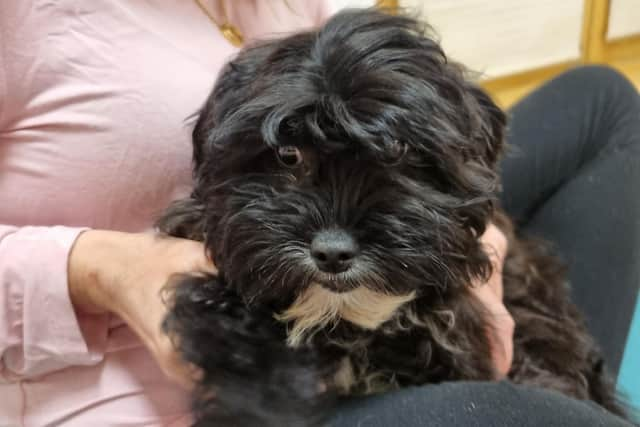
[400, 150]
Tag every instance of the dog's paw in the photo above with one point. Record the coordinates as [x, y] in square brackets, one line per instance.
[249, 376]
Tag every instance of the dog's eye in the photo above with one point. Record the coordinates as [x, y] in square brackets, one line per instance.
[398, 149]
[290, 156]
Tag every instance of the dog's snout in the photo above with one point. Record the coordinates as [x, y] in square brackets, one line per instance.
[334, 251]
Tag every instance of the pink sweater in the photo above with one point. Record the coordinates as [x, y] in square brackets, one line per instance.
[93, 101]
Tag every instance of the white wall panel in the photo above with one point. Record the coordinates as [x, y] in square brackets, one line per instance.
[499, 37]
[624, 18]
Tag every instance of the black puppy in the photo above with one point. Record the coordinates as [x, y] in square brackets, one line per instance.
[342, 179]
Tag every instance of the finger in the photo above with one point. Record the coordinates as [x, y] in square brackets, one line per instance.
[499, 331]
[495, 244]
[205, 265]
[198, 260]
[489, 298]
[500, 337]
[495, 283]
[174, 367]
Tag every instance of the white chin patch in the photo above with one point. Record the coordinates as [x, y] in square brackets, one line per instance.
[318, 308]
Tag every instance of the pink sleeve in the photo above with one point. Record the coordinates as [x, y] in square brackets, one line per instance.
[3, 80]
[39, 330]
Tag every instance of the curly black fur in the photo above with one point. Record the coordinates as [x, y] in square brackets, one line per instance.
[399, 149]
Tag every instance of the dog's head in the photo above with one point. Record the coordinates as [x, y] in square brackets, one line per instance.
[346, 171]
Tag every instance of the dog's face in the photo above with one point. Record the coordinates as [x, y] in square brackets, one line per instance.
[347, 171]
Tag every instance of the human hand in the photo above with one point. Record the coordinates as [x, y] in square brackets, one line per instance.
[501, 324]
[124, 273]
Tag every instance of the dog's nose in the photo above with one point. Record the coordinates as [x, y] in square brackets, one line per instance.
[333, 250]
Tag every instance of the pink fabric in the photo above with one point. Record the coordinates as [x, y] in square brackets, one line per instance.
[94, 97]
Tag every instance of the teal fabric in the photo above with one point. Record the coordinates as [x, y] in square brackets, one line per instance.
[629, 376]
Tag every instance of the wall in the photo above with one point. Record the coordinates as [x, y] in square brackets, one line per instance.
[624, 19]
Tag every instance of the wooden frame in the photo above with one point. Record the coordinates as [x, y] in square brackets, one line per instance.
[595, 46]
[594, 30]
[391, 5]
[622, 49]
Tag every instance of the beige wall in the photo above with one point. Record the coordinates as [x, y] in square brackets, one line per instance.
[624, 18]
[501, 38]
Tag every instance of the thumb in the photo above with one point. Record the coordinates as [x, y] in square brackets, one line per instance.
[500, 328]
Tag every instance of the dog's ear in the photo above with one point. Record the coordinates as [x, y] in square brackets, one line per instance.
[488, 123]
[184, 218]
[233, 89]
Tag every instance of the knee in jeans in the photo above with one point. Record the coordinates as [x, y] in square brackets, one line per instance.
[604, 79]
[614, 105]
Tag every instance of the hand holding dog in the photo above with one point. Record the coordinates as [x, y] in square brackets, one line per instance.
[501, 329]
[124, 273]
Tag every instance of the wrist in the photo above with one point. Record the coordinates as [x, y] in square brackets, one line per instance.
[87, 285]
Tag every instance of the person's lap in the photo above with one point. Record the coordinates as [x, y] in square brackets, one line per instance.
[569, 178]
[572, 178]
[471, 404]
